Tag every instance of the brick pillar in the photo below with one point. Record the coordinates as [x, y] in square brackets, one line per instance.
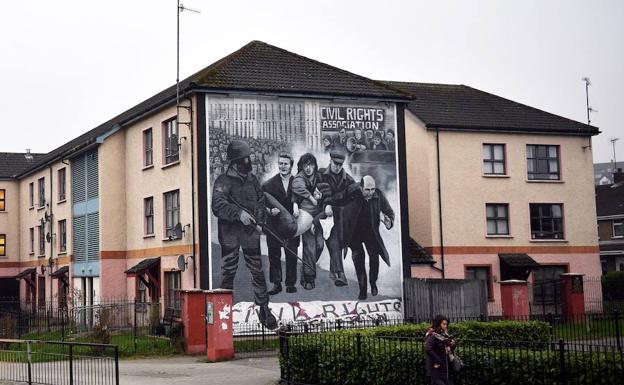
[515, 299]
[572, 296]
[193, 303]
[220, 326]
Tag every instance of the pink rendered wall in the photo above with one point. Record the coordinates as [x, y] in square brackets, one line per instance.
[113, 279]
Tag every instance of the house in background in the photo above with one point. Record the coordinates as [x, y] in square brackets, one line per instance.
[610, 210]
[603, 173]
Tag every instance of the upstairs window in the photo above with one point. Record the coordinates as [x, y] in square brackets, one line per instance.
[2, 200]
[497, 219]
[62, 236]
[170, 130]
[2, 245]
[494, 159]
[148, 204]
[172, 213]
[148, 154]
[31, 194]
[61, 185]
[32, 240]
[546, 221]
[618, 228]
[543, 162]
[41, 240]
[41, 189]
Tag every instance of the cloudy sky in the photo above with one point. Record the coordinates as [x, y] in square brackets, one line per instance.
[68, 66]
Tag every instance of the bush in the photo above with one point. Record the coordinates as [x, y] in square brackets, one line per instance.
[339, 359]
[613, 285]
[505, 331]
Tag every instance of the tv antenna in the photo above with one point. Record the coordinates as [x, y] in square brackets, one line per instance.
[589, 109]
[613, 140]
[181, 8]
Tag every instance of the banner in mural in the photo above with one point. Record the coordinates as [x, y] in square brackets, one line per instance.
[304, 204]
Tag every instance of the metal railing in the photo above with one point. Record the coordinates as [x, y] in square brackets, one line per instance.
[58, 363]
[363, 359]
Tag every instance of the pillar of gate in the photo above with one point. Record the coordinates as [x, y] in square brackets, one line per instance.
[219, 325]
[515, 299]
[572, 296]
[193, 315]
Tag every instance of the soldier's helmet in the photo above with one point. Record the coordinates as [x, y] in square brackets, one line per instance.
[237, 149]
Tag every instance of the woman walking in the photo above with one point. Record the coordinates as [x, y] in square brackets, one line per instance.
[439, 345]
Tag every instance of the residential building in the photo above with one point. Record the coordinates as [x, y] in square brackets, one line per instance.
[488, 188]
[610, 210]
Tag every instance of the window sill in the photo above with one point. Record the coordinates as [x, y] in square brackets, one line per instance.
[148, 167]
[40, 208]
[500, 236]
[495, 176]
[170, 164]
[620, 237]
[4, 212]
[31, 207]
[61, 201]
[41, 256]
[548, 240]
[149, 236]
[167, 239]
[62, 253]
[544, 181]
[31, 254]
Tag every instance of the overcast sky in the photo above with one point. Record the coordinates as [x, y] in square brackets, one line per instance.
[68, 66]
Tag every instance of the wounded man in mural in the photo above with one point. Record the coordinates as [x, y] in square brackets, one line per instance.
[239, 204]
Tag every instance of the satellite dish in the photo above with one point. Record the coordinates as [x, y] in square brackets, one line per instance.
[177, 231]
[181, 262]
[48, 237]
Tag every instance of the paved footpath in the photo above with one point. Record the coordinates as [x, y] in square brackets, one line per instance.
[194, 370]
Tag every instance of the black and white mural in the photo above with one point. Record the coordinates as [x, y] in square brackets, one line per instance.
[304, 208]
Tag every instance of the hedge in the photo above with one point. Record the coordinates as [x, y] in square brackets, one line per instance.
[339, 359]
[510, 332]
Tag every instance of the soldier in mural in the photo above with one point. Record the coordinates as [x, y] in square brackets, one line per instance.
[342, 187]
[238, 203]
[280, 188]
[363, 217]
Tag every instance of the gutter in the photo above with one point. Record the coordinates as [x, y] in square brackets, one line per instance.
[507, 130]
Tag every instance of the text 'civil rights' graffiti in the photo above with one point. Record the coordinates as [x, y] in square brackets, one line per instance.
[351, 118]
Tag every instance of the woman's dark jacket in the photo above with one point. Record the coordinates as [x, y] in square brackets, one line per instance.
[435, 353]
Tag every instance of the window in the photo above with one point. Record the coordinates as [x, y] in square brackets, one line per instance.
[141, 298]
[32, 240]
[546, 221]
[2, 199]
[543, 162]
[31, 194]
[148, 158]
[41, 240]
[494, 159]
[497, 219]
[170, 129]
[173, 281]
[148, 204]
[618, 228]
[2, 245]
[483, 274]
[62, 237]
[172, 212]
[61, 184]
[41, 188]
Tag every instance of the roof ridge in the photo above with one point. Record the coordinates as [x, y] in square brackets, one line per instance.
[327, 66]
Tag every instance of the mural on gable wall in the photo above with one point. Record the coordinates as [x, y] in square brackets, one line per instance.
[304, 208]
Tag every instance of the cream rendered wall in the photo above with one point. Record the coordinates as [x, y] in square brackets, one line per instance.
[9, 226]
[465, 191]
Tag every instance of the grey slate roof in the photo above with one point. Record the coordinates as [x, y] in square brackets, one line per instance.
[610, 199]
[419, 254]
[518, 260]
[461, 107]
[142, 266]
[13, 163]
[256, 67]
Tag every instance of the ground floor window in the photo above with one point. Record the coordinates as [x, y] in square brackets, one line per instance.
[484, 275]
[547, 284]
[173, 282]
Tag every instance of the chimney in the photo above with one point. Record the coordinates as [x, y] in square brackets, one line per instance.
[618, 176]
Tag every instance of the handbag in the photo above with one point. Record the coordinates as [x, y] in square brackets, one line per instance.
[456, 363]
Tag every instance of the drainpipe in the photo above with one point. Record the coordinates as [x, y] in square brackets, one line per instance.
[51, 231]
[440, 202]
[191, 129]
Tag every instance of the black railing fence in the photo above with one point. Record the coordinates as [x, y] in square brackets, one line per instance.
[358, 359]
[136, 327]
[58, 363]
